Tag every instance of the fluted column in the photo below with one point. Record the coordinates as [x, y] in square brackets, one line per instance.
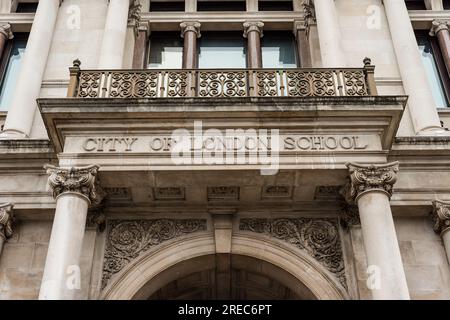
[441, 219]
[190, 31]
[330, 39]
[114, 35]
[28, 86]
[370, 186]
[440, 29]
[422, 106]
[5, 35]
[253, 31]
[74, 190]
[6, 217]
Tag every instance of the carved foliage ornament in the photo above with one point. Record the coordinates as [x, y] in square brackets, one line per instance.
[372, 177]
[318, 237]
[251, 26]
[441, 216]
[127, 239]
[78, 180]
[438, 25]
[193, 26]
[6, 219]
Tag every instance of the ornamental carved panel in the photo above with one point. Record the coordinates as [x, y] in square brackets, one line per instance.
[127, 239]
[318, 237]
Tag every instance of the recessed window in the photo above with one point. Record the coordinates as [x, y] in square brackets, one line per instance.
[221, 6]
[158, 6]
[166, 50]
[222, 50]
[10, 68]
[275, 5]
[26, 7]
[446, 4]
[434, 69]
[278, 49]
[416, 5]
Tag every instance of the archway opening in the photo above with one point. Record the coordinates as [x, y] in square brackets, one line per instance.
[236, 277]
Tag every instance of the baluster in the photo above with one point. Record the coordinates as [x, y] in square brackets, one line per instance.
[252, 85]
[103, 84]
[340, 82]
[281, 74]
[74, 79]
[163, 83]
[369, 71]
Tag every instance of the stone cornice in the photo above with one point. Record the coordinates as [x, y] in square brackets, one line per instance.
[6, 218]
[75, 180]
[441, 216]
[366, 178]
[437, 26]
[250, 26]
[193, 26]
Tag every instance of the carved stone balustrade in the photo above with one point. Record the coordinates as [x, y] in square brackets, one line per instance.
[306, 82]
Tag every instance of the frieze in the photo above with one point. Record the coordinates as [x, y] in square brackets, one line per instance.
[127, 239]
[318, 237]
[243, 143]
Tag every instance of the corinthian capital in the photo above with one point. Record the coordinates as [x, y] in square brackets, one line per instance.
[250, 26]
[75, 180]
[441, 216]
[5, 30]
[6, 217]
[193, 26]
[366, 178]
[437, 26]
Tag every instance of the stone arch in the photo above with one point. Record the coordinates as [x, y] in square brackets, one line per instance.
[164, 263]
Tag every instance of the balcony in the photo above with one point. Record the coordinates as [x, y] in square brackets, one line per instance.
[216, 83]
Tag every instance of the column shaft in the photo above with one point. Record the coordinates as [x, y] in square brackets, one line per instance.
[421, 103]
[28, 86]
[331, 51]
[253, 33]
[140, 50]
[114, 35]
[64, 251]
[446, 240]
[303, 48]
[381, 246]
[190, 31]
[442, 32]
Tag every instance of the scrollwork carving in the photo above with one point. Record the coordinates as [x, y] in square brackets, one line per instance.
[441, 216]
[127, 239]
[318, 237]
[6, 219]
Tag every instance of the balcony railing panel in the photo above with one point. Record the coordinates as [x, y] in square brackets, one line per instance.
[222, 83]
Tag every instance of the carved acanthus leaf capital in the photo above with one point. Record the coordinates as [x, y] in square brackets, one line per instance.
[441, 216]
[366, 178]
[75, 180]
[193, 26]
[250, 26]
[5, 30]
[6, 219]
[438, 25]
[134, 15]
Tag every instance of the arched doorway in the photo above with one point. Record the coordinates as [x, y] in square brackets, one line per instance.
[261, 268]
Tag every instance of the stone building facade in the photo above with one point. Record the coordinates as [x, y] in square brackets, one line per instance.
[198, 149]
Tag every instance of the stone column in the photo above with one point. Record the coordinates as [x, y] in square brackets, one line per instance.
[190, 31]
[330, 40]
[5, 35]
[440, 29]
[371, 188]
[421, 104]
[303, 49]
[441, 219]
[114, 35]
[28, 86]
[74, 190]
[6, 218]
[140, 46]
[253, 31]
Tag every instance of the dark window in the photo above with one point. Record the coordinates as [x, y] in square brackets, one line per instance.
[435, 68]
[10, 67]
[446, 4]
[278, 49]
[416, 5]
[275, 6]
[167, 6]
[224, 49]
[27, 7]
[166, 50]
[221, 6]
